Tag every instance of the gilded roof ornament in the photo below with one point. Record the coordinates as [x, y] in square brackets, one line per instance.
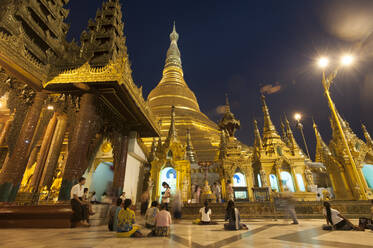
[189, 147]
[172, 134]
[322, 149]
[229, 123]
[269, 130]
[367, 136]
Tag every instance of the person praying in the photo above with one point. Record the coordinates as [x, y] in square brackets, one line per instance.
[150, 215]
[163, 222]
[206, 213]
[334, 218]
[232, 215]
[113, 215]
[126, 221]
[78, 205]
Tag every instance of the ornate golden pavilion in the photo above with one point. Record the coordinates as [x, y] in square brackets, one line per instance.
[64, 100]
[278, 162]
[342, 176]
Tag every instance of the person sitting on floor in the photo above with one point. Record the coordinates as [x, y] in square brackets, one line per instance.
[206, 215]
[336, 220]
[126, 221]
[163, 222]
[150, 215]
[233, 216]
[113, 215]
[87, 201]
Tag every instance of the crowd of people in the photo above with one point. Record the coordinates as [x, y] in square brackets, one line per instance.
[157, 217]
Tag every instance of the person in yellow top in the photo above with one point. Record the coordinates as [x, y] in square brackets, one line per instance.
[126, 221]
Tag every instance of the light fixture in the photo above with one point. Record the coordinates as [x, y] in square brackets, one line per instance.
[297, 116]
[347, 60]
[323, 62]
[50, 107]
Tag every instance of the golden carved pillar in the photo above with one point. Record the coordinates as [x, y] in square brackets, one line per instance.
[294, 175]
[279, 179]
[44, 149]
[78, 148]
[12, 171]
[120, 164]
[5, 130]
[54, 151]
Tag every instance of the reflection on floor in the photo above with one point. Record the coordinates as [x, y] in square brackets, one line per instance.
[262, 233]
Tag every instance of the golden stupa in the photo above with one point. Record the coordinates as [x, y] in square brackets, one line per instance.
[172, 90]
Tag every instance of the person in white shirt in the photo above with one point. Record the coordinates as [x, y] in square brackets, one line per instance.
[205, 214]
[78, 205]
[336, 220]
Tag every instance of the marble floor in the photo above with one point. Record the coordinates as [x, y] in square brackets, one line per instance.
[262, 233]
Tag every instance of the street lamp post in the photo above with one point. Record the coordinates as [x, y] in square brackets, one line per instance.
[298, 118]
[326, 82]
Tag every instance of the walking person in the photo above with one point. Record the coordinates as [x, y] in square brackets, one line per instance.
[78, 205]
[144, 202]
[290, 206]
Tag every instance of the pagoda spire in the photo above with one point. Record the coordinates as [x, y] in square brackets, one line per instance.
[321, 148]
[258, 143]
[104, 40]
[368, 139]
[173, 54]
[227, 105]
[290, 136]
[269, 129]
[284, 134]
[189, 147]
[172, 134]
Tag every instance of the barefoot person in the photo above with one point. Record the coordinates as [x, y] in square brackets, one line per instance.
[78, 205]
[336, 220]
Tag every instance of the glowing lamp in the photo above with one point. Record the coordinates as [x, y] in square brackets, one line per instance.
[347, 60]
[323, 62]
[297, 116]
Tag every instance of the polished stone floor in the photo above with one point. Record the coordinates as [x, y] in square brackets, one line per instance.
[262, 233]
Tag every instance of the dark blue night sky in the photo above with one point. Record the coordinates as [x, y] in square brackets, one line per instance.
[238, 47]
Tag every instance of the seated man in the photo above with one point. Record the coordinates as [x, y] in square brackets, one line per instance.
[78, 205]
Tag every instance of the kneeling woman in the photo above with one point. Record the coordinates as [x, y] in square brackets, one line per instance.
[233, 216]
[126, 221]
[334, 218]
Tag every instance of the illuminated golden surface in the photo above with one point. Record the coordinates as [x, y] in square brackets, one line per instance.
[172, 90]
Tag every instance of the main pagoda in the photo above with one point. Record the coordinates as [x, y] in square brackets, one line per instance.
[172, 90]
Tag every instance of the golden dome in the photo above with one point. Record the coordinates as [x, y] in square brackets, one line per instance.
[172, 90]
